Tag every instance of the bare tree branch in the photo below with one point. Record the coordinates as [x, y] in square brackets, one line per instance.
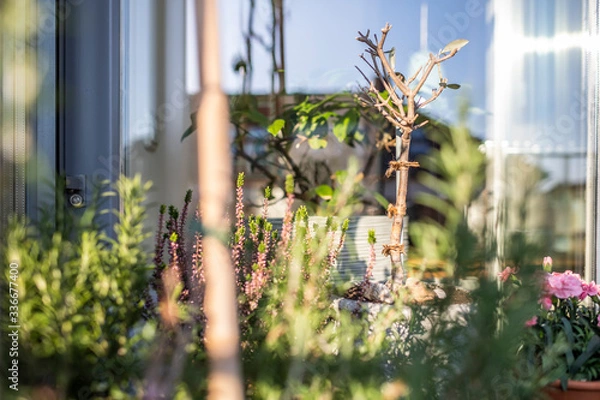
[414, 76]
[392, 109]
[434, 96]
[433, 61]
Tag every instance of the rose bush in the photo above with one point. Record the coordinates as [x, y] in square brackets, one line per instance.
[564, 339]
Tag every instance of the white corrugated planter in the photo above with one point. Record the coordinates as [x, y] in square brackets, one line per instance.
[353, 259]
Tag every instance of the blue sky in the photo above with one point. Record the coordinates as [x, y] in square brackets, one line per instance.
[322, 52]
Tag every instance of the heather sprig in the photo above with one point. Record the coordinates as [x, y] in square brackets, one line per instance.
[302, 219]
[265, 210]
[197, 277]
[286, 229]
[180, 232]
[372, 256]
[259, 276]
[336, 248]
[175, 267]
[159, 246]
[239, 238]
[254, 227]
[345, 226]
[160, 238]
[171, 234]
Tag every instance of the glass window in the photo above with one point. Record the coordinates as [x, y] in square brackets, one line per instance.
[156, 105]
[27, 139]
[538, 126]
[530, 74]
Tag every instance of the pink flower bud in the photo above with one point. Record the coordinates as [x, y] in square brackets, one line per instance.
[506, 273]
[547, 263]
[546, 302]
[531, 322]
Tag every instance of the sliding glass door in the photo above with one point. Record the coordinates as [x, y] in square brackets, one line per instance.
[542, 138]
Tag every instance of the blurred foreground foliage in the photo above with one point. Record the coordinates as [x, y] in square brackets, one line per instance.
[454, 178]
[80, 301]
[89, 330]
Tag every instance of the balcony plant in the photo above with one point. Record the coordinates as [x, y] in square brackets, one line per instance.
[564, 336]
[398, 99]
[78, 304]
[295, 344]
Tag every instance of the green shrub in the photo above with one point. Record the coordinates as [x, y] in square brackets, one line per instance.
[80, 301]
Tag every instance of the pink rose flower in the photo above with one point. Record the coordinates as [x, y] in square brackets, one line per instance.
[564, 285]
[589, 289]
[531, 322]
[546, 302]
[506, 273]
[593, 289]
[569, 272]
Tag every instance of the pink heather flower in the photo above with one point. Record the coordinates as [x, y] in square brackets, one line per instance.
[564, 285]
[547, 263]
[506, 273]
[371, 264]
[532, 321]
[546, 302]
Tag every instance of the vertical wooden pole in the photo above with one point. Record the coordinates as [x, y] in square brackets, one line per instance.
[216, 189]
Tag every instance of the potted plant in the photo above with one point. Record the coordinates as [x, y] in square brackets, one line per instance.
[564, 339]
[398, 98]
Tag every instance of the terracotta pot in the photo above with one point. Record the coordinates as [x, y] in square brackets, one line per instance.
[576, 390]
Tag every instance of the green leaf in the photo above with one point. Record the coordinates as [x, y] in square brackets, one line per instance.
[455, 45]
[340, 175]
[317, 143]
[276, 126]
[345, 128]
[324, 191]
[549, 335]
[192, 127]
[188, 132]
[381, 200]
[592, 348]
[453, 86]
[256, 116]
[340, 129]
[568, 330]
[566, 325]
